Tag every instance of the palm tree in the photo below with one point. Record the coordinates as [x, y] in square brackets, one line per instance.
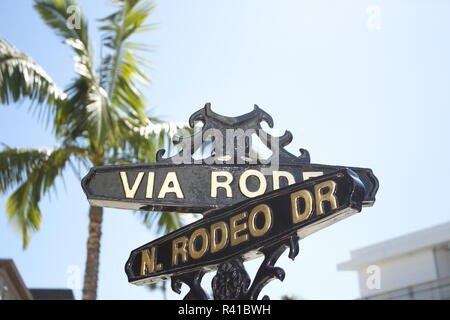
[98, 119]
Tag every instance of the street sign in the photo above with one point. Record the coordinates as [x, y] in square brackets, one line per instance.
[243, 231]
[229, 175]
[253, 203]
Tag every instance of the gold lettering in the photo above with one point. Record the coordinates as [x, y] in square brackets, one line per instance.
[307, 198]
[276, 175]
[262, 208]
[179, 250]
[130, 192]
[222, 226]
[150, 183]
[243, 183]
[235, 229]
[225, 184]
[328, 196]
[171, 178]
[192, 251]
[147, 261]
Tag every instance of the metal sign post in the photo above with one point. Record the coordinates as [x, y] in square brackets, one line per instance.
[252, 206]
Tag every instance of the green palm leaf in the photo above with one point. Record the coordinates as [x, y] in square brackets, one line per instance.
[59, 15]
[100, 117]
[141, 142]
[35, 171]
[161, 222]
[21, 77]
[87, 112]
[122, 69]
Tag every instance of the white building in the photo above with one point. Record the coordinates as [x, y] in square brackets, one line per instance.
[413, 266]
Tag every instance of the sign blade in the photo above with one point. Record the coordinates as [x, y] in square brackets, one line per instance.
[244, 229]
[196, 188]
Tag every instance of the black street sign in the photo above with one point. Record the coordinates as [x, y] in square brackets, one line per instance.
[229, 175]
[252, 203]
[245, 230]
[196, 187]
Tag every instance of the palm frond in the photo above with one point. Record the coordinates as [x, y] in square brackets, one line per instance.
[87, 112]
[122, 69]
[141, 142]
[161, 286]
[161, 222]
[21, 77]
[101, 126]
[106, 114]
[16, 163]
[35, 172]
[65, 17]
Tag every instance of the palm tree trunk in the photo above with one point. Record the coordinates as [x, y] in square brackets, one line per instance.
[93, 253]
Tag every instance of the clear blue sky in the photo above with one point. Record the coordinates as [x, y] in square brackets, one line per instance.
[351, 93]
